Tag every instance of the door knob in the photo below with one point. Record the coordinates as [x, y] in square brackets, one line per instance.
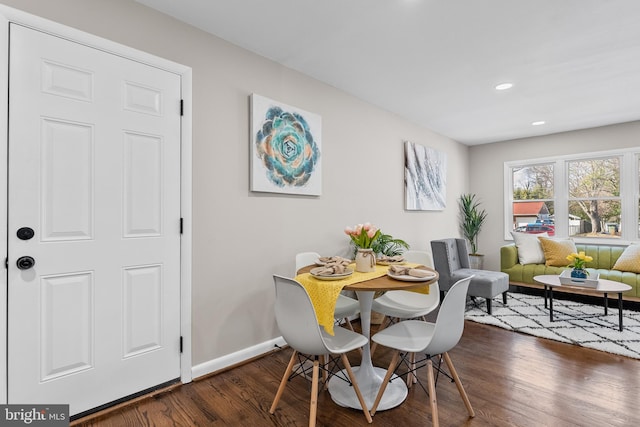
[25, 262]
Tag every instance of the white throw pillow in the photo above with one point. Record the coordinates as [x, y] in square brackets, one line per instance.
[529, 247]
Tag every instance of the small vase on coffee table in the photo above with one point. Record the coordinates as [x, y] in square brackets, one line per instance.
[579, 273]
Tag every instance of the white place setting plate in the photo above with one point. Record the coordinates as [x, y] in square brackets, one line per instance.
[407, 278]
[347, 273]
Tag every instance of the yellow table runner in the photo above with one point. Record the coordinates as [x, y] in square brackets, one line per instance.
[324, 293]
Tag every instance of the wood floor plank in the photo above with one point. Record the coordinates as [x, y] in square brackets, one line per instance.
[512, 379]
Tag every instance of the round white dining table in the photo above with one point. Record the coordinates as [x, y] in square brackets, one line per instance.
[370, 377]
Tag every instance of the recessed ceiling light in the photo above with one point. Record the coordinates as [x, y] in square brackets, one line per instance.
[504, 86]
[538, 123]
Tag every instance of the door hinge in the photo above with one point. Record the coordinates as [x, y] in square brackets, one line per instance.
[181, 225]
[182, 107]
[6, 263]
[180, 344]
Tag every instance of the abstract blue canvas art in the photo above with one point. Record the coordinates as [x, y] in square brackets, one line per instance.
[425, 174]
[285, 148]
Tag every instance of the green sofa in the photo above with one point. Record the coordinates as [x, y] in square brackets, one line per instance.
[604, 257]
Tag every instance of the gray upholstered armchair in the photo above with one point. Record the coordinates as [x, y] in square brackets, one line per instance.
[451, 261]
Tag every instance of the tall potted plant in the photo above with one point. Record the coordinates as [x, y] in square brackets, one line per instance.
[471, 220]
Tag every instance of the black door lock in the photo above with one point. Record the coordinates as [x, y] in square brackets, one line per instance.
[25, 262]
[25, 233]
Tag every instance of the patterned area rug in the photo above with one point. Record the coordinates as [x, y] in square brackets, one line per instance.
[526, 313]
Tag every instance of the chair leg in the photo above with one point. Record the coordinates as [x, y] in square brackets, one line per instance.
[348, 322]
[489, 305]
[372, 349]
[313, 409]
[504, 297]
[324, 361]
[283, 383]
[432, 394]
[385, 381]
[456, 378]
[374, 345]
[411, 376]
[356, 388]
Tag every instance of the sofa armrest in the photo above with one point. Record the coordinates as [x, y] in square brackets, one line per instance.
[508, 256]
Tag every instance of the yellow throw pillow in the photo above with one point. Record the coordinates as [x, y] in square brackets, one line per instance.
[556, 251]
[629, 260]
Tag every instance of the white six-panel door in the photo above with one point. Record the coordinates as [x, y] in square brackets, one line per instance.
[94, 171]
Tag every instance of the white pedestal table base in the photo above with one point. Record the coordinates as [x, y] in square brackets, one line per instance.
[369, 378]
[343, 393]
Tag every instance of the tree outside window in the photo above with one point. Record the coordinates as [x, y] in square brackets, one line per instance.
[594, 197]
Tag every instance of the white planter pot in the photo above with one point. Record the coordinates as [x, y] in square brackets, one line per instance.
[476, 261]
[365, 261]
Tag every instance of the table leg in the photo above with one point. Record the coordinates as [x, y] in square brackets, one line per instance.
[620, 310]
[550, 303]
[369, 377]
[606, 303]
[545, 296]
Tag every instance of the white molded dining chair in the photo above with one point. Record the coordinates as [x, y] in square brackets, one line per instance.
[297, 322]
[431, 339]
[407, 304]
[345, 307]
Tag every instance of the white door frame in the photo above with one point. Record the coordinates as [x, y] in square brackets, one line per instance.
[8, 15]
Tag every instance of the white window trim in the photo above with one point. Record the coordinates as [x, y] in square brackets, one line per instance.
[629, 193]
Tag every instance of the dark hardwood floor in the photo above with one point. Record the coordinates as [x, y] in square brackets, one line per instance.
[511, 379]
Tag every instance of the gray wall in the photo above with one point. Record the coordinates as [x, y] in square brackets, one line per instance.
[242, 238]
[487, 168]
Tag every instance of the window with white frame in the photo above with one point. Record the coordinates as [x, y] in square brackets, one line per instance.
[532, 189]
[594, 197]
[587, 196]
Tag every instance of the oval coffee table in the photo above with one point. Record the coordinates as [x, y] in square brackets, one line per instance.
[605, 287]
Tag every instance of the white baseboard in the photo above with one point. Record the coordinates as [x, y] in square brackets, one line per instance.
[237, 357]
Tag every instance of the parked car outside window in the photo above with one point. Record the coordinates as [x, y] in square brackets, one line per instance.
[536, 229]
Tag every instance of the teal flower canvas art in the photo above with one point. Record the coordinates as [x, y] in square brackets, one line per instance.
[285, 148]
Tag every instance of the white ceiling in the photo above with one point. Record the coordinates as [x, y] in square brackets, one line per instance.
[574, 63]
